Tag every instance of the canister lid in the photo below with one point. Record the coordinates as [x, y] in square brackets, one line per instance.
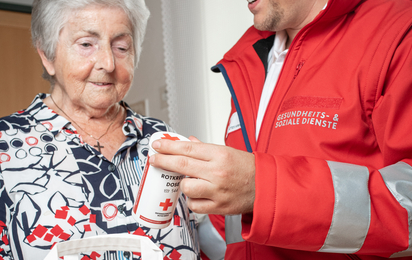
[165, 135]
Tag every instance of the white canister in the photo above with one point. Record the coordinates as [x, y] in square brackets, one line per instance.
[159, 190]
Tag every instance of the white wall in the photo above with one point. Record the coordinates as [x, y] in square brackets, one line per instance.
[225, 22]
[198, 34]
[149, 79]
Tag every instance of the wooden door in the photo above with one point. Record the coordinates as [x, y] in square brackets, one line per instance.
[20, 65]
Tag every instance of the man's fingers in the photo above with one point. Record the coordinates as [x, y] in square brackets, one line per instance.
[221, 179]
[194, 139]
[202, 206]
[196, 188]
[200, 195]
[196, 149]
[181, 164]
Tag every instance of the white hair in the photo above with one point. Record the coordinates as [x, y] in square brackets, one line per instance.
[50, 16]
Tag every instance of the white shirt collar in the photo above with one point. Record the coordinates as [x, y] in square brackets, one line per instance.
[279, 46]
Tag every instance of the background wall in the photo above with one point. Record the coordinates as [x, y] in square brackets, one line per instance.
[225, 22]
[173, 81]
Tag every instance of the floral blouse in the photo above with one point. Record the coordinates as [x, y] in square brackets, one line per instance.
[54, 187]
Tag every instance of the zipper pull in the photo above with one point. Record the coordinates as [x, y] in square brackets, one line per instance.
[298, 68]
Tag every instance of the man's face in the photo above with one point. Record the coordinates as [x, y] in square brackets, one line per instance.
[276, 15]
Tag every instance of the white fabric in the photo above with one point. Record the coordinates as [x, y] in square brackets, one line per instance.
[234, 123]
[276, 59]
[126, 242]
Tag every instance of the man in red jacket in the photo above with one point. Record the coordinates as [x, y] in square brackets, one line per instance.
[318, 155]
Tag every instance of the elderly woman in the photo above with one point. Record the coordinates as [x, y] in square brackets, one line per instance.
[71, 163]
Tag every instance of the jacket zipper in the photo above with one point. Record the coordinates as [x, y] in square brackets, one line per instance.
[354, 257]
[298, 68]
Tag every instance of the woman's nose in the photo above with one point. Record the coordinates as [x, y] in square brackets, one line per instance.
[105, 59]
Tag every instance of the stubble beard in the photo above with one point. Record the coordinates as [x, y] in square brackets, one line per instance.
[274, 15]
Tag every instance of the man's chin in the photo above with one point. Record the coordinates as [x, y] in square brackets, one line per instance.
[266, 25]
[261, 27]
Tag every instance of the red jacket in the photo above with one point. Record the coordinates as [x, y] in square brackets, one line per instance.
[334, 155]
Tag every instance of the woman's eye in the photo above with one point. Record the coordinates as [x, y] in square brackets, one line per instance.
[85, 45]
[122, 49]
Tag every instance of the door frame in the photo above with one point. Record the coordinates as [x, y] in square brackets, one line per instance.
[15, 8]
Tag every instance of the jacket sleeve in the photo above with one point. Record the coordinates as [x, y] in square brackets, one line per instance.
[5, 252]
[330, 206]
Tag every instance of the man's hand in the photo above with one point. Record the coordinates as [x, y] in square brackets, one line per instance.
[221, 179]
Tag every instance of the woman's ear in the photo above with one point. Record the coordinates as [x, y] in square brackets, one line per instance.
[47, 64]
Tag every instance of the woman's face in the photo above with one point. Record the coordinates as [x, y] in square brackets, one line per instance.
[94, 61]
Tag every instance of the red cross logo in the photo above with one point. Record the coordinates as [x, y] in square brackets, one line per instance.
[168, 137]
[166, 204]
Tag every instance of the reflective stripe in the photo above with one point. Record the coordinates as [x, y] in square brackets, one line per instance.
[398, 179]
[233, 229]
[352, 210]
[211, 243]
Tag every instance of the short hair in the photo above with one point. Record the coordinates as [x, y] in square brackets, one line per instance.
[50, 16]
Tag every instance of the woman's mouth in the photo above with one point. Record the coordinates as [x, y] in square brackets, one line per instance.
[251, 1]
[102, 83]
